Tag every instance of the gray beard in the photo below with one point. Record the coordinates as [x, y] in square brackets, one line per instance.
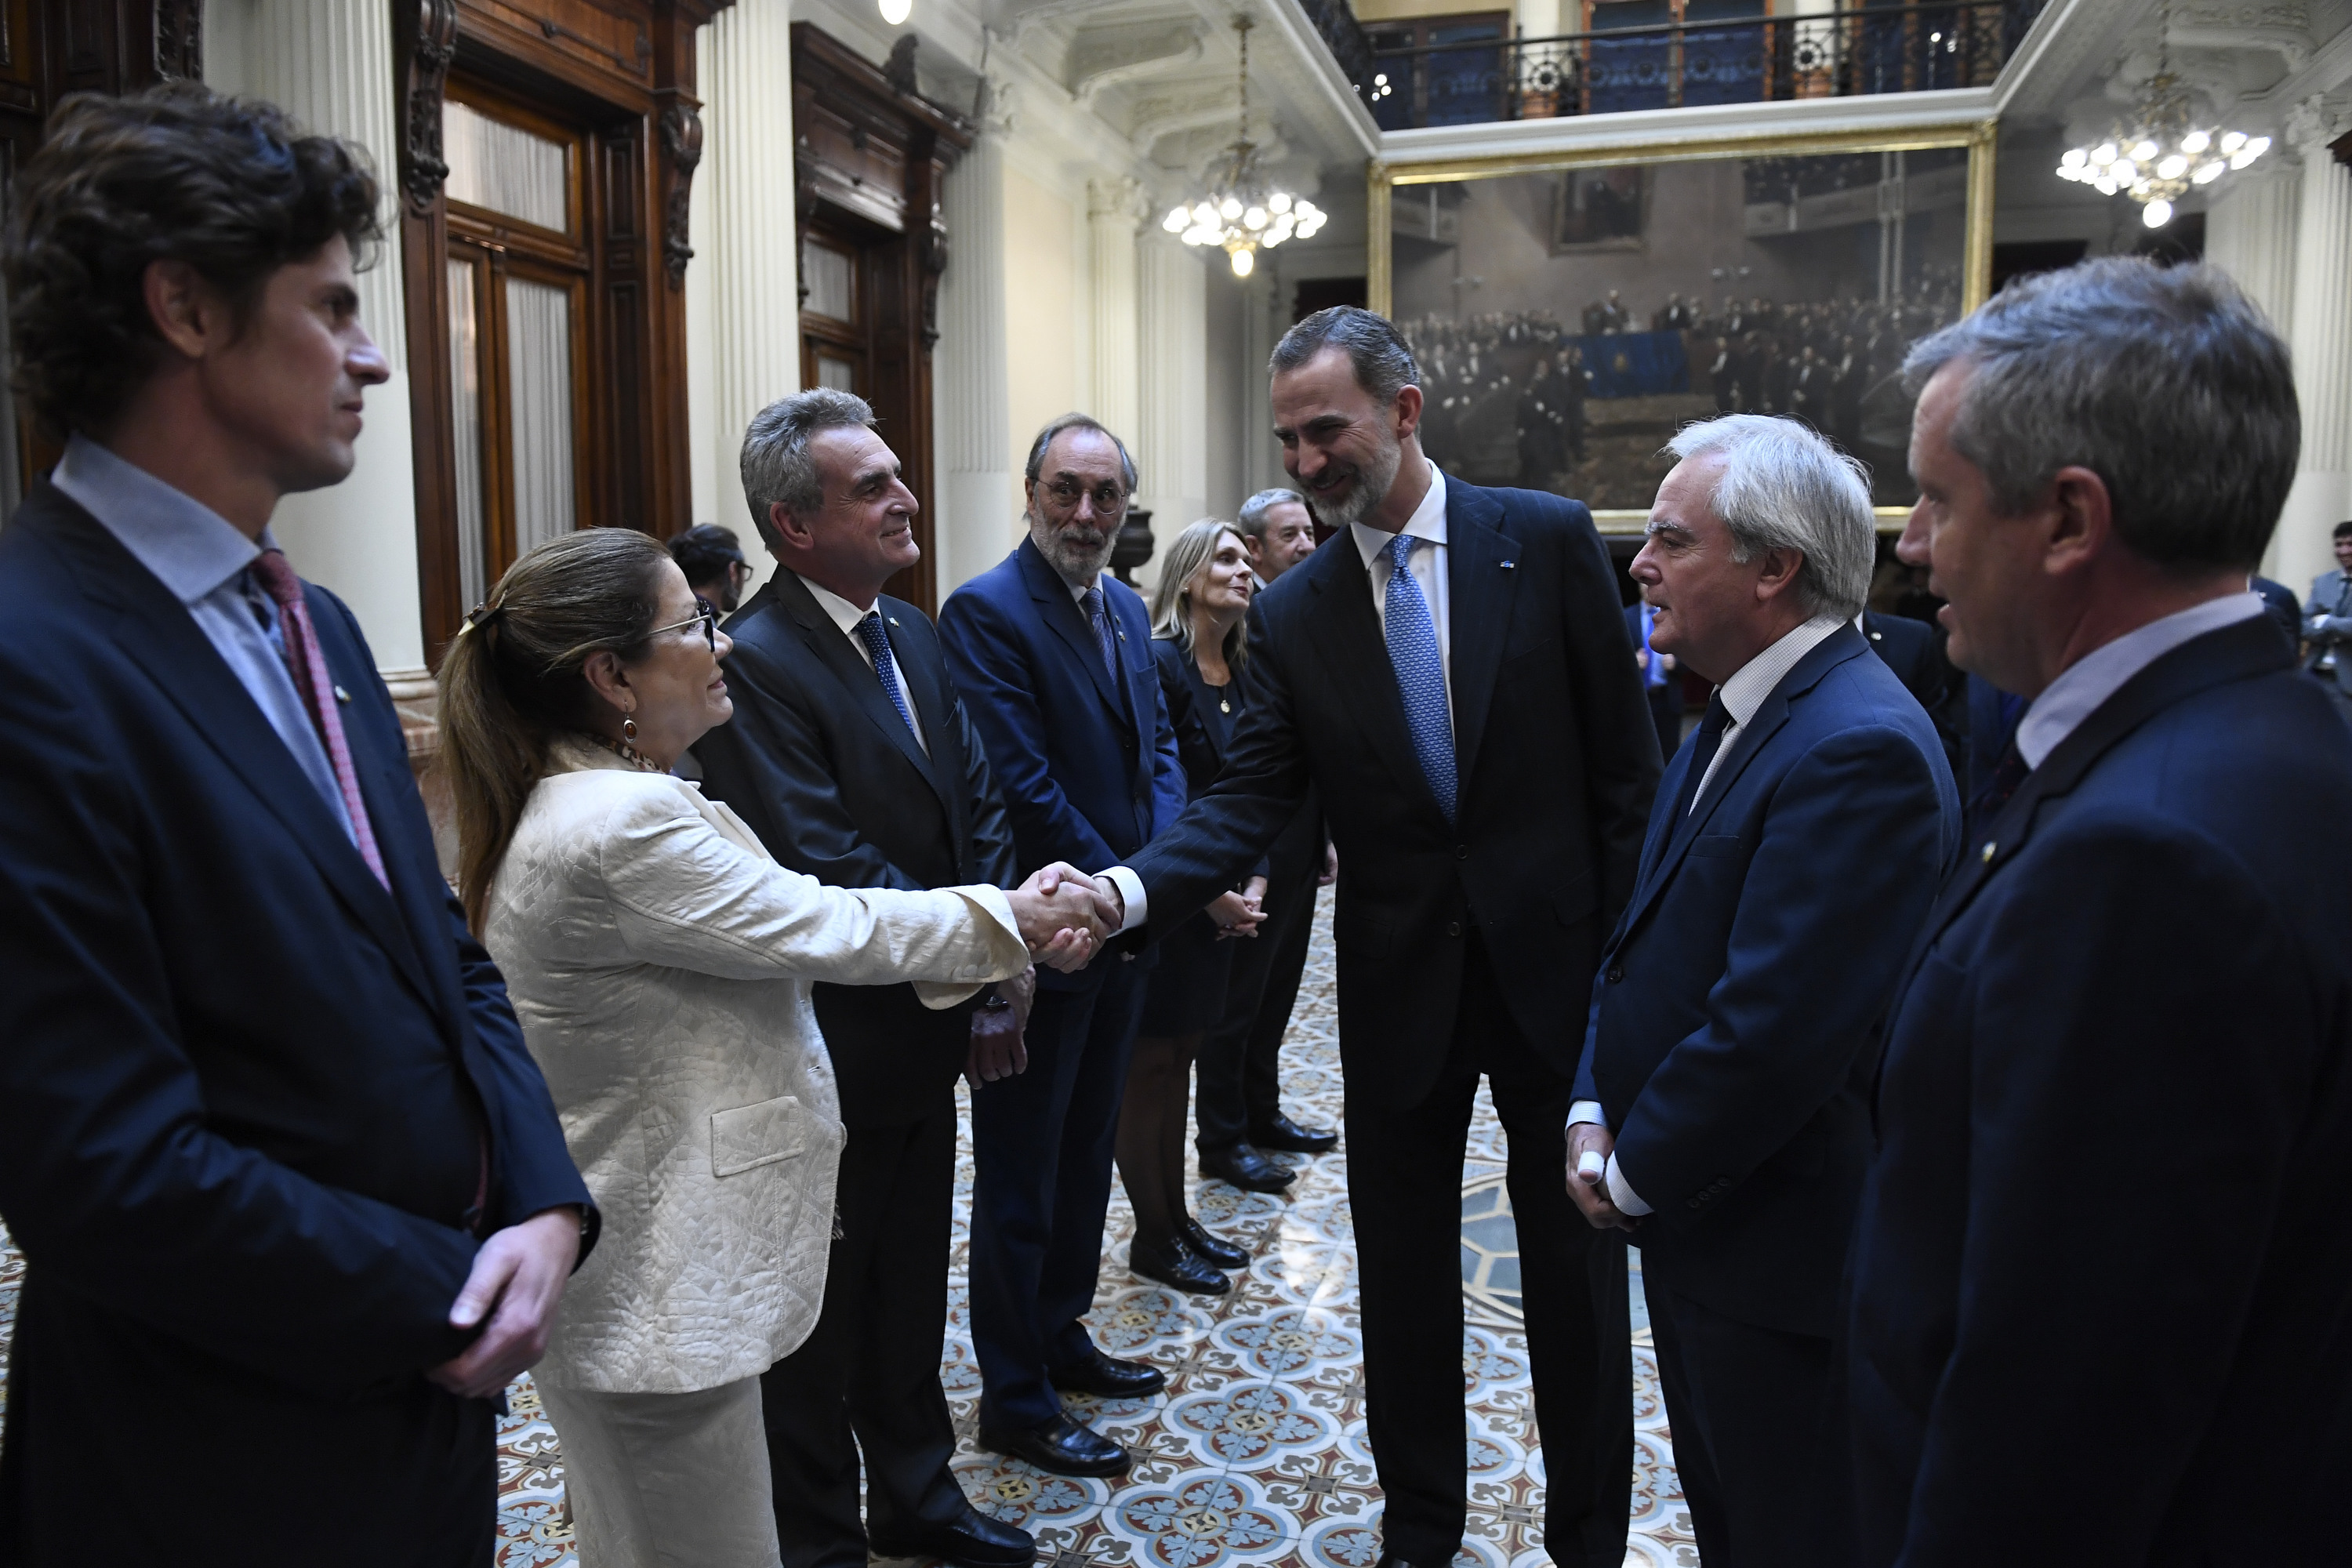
[1075, 567]
[1370, 489]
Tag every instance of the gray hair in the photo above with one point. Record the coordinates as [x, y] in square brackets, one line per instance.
[1078, 422]
[2165, 381]
[1171, 600]
[1252, 523]
[776, 464]
[1785, 487]
[1377, 352]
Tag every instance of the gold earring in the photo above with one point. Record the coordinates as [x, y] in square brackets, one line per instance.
[628, 728]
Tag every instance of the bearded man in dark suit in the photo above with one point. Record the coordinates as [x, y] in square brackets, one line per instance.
[1450, 673]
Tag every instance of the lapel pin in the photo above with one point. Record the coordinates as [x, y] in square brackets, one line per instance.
[1989, 849]
[341, 695]
[1508, 565]
[894, 620]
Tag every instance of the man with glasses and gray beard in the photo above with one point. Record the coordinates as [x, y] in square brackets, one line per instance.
[1453, 681]
[1053, 658]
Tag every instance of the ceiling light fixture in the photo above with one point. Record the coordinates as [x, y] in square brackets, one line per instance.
[1241, 212]
[2160, 155]
[895, 11]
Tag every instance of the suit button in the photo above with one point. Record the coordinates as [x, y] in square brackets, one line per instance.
[1616, 973]
[1453, 928]
[1693, 1202]
[1461, 851]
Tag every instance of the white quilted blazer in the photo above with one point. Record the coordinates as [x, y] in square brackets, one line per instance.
[660, 961]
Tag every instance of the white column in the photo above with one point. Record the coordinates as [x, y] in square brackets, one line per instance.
[329, 64]
[978, 521]
[1113, 213]
[749, 331]
[1173, 438]
[1261, 330]
[2319, 332]
[2250, 234]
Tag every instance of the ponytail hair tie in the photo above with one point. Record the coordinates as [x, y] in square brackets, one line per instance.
[480, 616]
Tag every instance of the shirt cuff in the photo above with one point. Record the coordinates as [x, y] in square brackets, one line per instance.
[1130, 892]
[1586, 1110]
[1627, 1200]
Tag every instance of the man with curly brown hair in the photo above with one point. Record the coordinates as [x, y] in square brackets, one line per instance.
[268, 1135]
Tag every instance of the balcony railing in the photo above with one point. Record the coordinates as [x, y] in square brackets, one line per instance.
[1869, 48]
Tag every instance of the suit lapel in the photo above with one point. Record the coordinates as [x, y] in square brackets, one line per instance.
[1479, 594]
[830, 645]
[1061, 611]
[1346, 627]
[156, 632]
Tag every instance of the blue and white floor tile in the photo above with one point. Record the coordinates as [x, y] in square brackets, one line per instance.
[1256, 1452]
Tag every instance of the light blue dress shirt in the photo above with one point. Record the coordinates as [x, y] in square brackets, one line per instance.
[202, 557]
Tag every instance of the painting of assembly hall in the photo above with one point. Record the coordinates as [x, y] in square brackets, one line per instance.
[1567, 323]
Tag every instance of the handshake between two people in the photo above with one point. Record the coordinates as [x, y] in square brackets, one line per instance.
[1065, 916]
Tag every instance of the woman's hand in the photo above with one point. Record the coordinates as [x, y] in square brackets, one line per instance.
[1061, 926]
[1238, 914]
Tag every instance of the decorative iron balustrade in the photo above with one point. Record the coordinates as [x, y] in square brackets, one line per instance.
[1867, 49]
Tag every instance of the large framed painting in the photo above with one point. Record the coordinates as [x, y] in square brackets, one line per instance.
[1572, 310]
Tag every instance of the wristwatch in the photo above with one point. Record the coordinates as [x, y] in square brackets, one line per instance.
[994, 1002]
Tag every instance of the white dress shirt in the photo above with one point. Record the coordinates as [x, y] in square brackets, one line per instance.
[2091, 679]
[847, 616]
[202, 557]
[1742, 695]
[1428, 564]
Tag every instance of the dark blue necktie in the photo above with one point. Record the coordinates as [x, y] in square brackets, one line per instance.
[1703, 745]
[1100, 621]
[1421, 672]
[886, 668]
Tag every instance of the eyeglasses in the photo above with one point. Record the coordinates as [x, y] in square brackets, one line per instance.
[703, 614]
[1108, 497]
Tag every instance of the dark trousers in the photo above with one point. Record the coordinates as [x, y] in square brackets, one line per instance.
[1237, 1085]
[868, 1378]
[1404, 1182]
[1746, 1406]
[1041, 1147]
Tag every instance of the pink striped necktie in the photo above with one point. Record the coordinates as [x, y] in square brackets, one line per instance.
[308, 666]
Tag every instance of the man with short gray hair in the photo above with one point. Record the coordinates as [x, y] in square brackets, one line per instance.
[855, 760]
[1278, 530]
[1723, 1099]
[2104, 1235]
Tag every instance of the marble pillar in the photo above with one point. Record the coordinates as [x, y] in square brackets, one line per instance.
[329, 64]
[2250, 234]
[1261, 330]
[2319, 331]
[1115, 211]
[1171, 440]
[977, 493]
[743, 347]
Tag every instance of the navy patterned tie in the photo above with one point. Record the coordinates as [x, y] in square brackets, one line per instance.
[1420, 672]
[886, 668]
[1097, 618]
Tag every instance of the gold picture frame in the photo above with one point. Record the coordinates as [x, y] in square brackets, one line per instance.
[1977, 137]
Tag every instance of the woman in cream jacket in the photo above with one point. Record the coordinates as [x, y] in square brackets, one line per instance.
[660, 962]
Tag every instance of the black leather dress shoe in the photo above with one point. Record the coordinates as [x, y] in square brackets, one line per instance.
[1173, 1262]
[976, 1541]
[1215, 1249]
[1061, 1447]
[1290, 1138]
[1247, 1169]
[1389, 1561]
[1107, 1378]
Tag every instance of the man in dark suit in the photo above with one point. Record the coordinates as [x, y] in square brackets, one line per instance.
[1450, 673]
[854, 760]
[2327, 625]
[2103, 1233]
[269, 1137]
[1723, 1114]
[1054, 656]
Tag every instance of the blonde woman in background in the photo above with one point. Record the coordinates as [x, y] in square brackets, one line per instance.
[1198, 643]
[660, 962]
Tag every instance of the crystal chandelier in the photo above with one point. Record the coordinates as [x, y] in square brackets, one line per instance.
[2161, 152]
[1240, 212]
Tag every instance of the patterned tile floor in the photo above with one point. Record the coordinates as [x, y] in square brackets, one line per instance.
[1256, 1453]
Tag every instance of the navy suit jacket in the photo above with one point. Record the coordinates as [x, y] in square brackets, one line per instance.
[1734, 1022]
[244, 1091]
[1087, 766]
[1556, 759]
[822, 767]
[2104, 1235]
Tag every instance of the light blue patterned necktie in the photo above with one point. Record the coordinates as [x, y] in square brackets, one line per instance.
[886, 668]
[1099, 618]
[1420, 672]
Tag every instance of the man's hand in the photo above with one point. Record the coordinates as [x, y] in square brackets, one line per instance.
[998, 1049]
[1239, 914]
[1330, 866]
[1110, 904]
[1588, 1180]
[517, 1282]
[1057, 911]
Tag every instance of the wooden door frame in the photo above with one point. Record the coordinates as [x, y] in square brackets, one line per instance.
[625, 70]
